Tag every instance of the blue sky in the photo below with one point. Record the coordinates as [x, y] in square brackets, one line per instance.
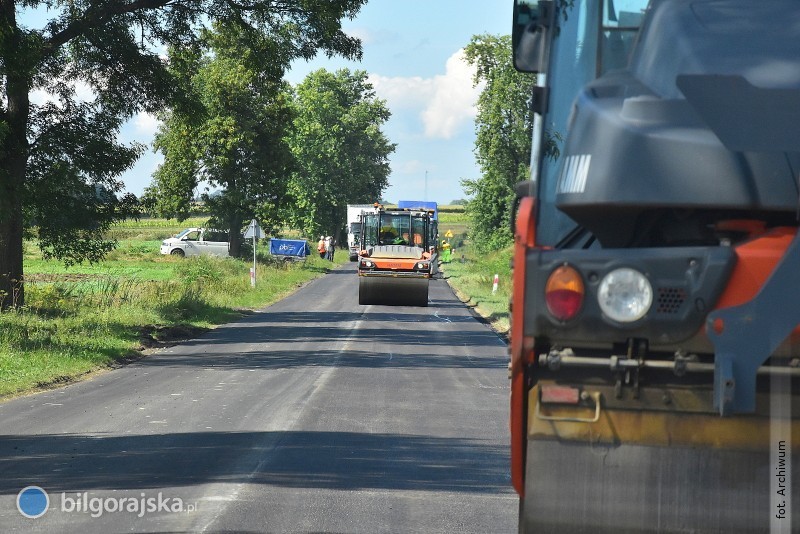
[411, 52]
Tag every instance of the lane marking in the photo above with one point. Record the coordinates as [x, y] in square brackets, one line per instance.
[316, 386]
[445, 319]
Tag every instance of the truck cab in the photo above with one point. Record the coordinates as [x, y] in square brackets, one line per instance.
[354, 215]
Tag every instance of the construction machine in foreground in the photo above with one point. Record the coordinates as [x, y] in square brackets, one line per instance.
[655, 349]
[399, 256]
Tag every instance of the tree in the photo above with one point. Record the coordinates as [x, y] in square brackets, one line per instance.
[504, 126]
[341, 152]
[234, 139]
[55, 155]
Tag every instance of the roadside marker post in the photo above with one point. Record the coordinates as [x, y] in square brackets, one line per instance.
[494, 285]
[254, 231]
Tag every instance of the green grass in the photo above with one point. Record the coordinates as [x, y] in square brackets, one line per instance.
[86, 317]
[473, 278]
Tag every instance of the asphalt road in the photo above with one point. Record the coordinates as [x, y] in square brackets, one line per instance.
[313, 415]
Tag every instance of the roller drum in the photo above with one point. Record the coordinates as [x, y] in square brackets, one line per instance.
[592, 488]
[393, 291]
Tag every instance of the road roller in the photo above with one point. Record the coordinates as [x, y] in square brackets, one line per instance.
[399, 256]
[654, 344]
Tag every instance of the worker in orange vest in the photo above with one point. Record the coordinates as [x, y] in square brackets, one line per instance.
[321, 247]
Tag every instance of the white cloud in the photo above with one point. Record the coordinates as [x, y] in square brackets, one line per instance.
[445, 103]
[453, 101]
[363, 34]
[400, 92]
[146, 124]
[39, 97]
[83, 93]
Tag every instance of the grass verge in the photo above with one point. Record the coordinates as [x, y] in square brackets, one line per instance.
[471, 275]
[88, 317]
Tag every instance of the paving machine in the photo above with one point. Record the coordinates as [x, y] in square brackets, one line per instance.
[655, 349]
[399, 256]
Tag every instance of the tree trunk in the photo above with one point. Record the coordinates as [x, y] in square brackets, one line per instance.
[12, 292]
[12, 179]
[235, 235]
[13, 161]
[233, 213]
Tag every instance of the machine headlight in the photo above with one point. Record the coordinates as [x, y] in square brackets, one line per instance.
[422, 265]
[367, 264]
[625, 295]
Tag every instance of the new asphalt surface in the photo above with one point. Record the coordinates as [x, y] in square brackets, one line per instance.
[312, 415]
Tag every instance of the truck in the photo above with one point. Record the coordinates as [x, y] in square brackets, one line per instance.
[654, 343]
[399, 256]
[354, 212]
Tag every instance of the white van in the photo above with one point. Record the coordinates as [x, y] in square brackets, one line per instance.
[196, 242]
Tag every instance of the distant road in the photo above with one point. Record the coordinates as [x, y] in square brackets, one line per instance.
[313, 415]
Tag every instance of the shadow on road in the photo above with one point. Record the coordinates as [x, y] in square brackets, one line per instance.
[288, 358]
[311, 318]
[348, 272]
[326, 460]
[395, 329]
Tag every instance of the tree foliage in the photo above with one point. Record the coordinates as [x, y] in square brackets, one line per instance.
[504, 125]
[60, 159]
[234, 139]
[341, 152]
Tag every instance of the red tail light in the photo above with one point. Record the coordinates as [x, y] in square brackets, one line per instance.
[564, 293]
